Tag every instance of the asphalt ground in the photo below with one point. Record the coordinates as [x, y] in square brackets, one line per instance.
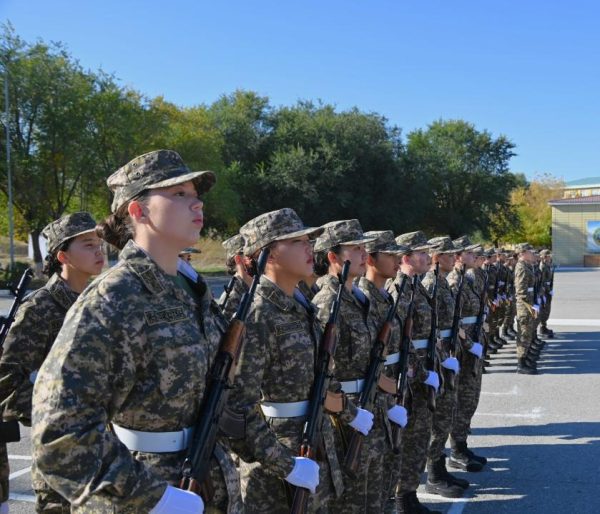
[541, 434]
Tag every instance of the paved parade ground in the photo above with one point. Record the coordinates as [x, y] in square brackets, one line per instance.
[541, 433]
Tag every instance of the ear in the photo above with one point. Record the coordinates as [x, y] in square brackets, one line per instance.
[405, 259]
[62, 257]
[370, 260]
[333, 258]
[238, 258]
[137, 211]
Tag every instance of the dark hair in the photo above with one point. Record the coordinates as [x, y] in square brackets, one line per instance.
[321, 264]
[52, 264]
[231, 266]
[116, 229]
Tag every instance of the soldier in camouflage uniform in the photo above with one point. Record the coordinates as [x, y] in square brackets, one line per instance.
[503, 301]
[240, 280]
[546, 268]
[494, 301]
[382, 264]
[358, 328]
[470, 354]
[276, 372]
[526, 312]
[186, 254]
[116, 398]
[417, 433]
[439, 481]
[511, 308]
[74, 255]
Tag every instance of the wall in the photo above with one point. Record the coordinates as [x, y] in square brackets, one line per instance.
[569, 232]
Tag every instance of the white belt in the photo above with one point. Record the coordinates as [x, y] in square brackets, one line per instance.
[33, 376]
[469, 321]
[154, 442]
[392, 358]
[445, 334]
[547, 283]
[420, 344]
[285, 410]
[530, 289]
[500, 283]
[353, 386]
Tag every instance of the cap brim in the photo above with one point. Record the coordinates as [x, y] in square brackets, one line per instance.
[362, 241]
[421, 248]
[73, 236]
[204, 181]
[393, 249]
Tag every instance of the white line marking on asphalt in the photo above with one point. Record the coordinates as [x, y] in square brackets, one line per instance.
[21, 497]
[513, 392]
[575, 322]
[536, 413]
[427, 496]
[20, 457]
[17, 474]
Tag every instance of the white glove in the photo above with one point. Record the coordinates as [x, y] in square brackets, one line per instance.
[398, 415]
[305, 474]
[496, 302]
[476, 350]
[551, 293]
[512, 298]
[433, 380]
[544, 300]
[176, 501]
[504, 297]
[4, 508]
[452, 364]
[536, 308]
[363, 422]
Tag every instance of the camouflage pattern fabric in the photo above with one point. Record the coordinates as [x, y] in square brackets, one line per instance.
[68, 227]
[306, 291]
[546, 278]
[524, 281]
[134, 350]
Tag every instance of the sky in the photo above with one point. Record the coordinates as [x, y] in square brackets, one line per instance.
[529, 70]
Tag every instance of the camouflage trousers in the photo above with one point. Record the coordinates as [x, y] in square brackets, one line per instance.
[47, 500]
[509, 315]
[526, 324]
[545, 314]
[368, 493]
[468, 393]
[443, 418]
[416, 436]
[4, 473]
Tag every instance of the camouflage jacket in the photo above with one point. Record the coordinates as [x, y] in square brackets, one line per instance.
[546, 277]
[478, 276]
[502, 277]
[31, 336]
[524, 282]
[134, 351]
[308, 292]
[445, 302]
[277, 364]
[493, 274]
[233, 301]
[421, 323]
[469, 303]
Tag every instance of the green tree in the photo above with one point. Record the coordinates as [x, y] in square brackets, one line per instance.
[465, 173]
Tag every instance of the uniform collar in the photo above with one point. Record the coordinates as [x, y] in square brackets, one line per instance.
[61, 292]
[366, 285]
[274, 294]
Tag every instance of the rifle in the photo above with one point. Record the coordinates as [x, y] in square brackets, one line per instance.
[197, 463]
[228, 288]
[480, 320]
[367, 396]
[9, 430]
[456, 324]
[433, 337]
[495, 292]
[318, 395]
[403, 372]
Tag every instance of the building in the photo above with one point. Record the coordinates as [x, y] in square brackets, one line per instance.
[576, 224]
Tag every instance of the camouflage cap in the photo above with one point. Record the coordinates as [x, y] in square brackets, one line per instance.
[68, 227]
[501, 251]
[416, 241]
[524, 247]
[545, 253]
[465, 245]
[162, 168]
[385, 243]
[344, 232]
[190, 249]
[234, 245]
[479, 251]
[443, 245]
[490, 252]
[274, 226]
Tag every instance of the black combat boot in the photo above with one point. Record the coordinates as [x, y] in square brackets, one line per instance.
[460, 482]
[499, 339]
[524, 369]
[460, 458]
[511, 333]
[438, 481]
[546, 332]
[408, 503]
[478, 458]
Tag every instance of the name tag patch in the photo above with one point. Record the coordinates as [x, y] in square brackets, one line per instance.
[288, 328]
[167, 316]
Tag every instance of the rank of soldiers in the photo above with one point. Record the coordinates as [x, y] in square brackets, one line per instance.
[334, 369]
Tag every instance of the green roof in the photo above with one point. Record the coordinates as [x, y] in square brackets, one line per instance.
[591, 181]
